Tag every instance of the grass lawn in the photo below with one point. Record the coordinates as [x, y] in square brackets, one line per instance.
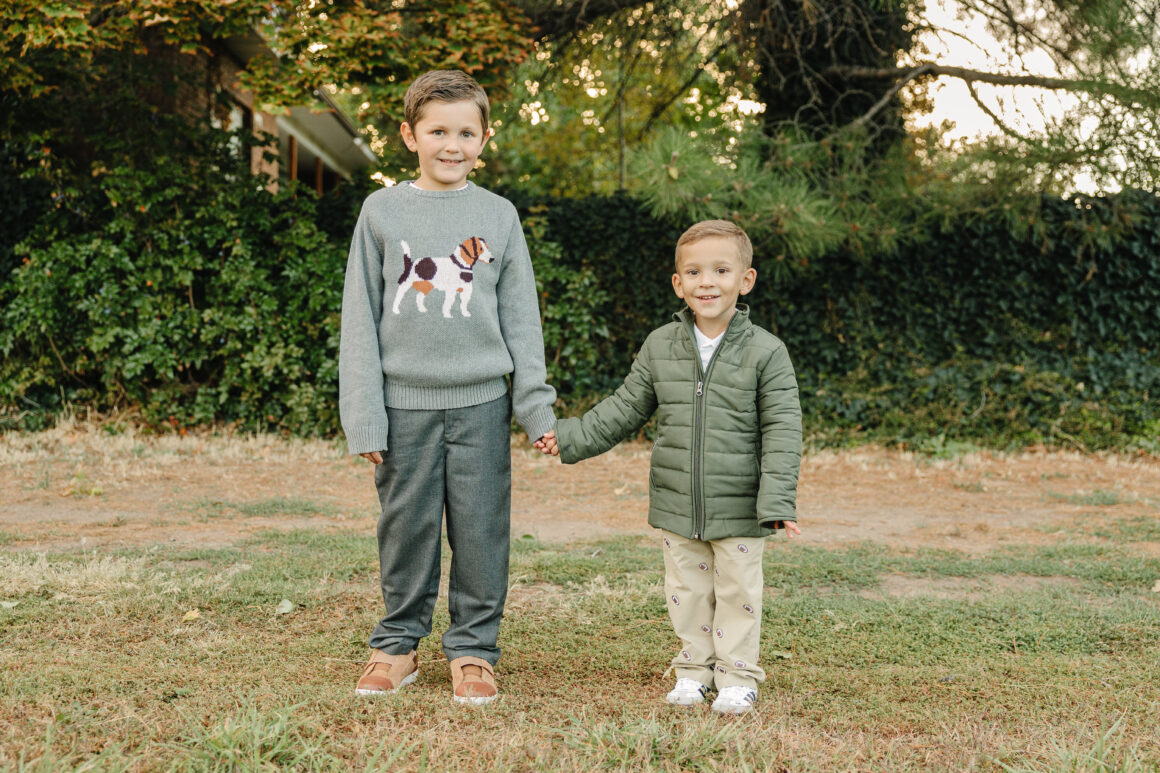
[1036, 657]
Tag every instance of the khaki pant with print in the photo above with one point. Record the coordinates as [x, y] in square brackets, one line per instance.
[713, 591]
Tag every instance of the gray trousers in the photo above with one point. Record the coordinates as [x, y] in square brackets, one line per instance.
[455, 462]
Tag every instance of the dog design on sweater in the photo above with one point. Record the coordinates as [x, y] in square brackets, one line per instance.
[452, 275]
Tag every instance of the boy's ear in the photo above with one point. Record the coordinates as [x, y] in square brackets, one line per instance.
[677, 286]
[408, 136]
[748, 279]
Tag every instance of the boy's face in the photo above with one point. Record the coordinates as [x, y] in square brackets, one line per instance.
[448, 138]
[709, 278]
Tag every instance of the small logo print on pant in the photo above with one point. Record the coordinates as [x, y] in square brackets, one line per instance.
[667, 542]
[743, 548]
[721, 669]
[739, 663]
[719, 634]
[676, 600]
[703, 567]
[747, 608]
[706, 629]
[685, 654]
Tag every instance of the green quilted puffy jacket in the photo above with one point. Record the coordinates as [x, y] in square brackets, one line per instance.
[728, 442]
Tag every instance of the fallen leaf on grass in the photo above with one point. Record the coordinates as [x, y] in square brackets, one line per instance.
[285, 608]
[1156, 587]
[8, 604]
[192, 614]
[783, 654]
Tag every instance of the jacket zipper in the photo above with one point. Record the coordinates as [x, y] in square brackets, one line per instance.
[699, 429]
[698, 442]
[699, 438]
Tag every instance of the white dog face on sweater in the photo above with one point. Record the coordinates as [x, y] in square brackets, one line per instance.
[451, 275]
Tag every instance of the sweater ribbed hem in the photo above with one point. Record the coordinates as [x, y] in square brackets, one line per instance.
[443, 398]
[365, 440]
[538, 422]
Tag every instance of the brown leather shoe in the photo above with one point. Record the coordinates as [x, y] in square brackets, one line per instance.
[386, 673]
[473, 681]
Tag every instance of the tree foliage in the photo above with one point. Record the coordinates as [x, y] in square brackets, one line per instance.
[379, 46]
[806, 58]
[835, 157]
[592, 95]
[88, 72]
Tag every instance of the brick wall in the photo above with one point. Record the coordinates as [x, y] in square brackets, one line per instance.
[204, 89]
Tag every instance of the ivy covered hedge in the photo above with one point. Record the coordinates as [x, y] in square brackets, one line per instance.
[194, 296]
[993, 330]
[186, 291]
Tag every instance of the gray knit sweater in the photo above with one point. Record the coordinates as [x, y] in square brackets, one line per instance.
[439, 306]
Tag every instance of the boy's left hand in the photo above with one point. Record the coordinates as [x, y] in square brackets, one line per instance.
[791, 529]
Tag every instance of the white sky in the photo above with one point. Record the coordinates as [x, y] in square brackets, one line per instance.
[1023, 107]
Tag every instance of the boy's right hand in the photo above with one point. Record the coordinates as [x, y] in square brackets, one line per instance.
[374, 456]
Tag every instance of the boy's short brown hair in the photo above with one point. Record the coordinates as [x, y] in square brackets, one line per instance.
[709, 228]
[443, 86]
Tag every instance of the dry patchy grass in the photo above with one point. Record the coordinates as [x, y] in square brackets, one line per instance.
[986, 611]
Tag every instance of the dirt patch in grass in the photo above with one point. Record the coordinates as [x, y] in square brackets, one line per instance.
[78, 485]
[960, 588]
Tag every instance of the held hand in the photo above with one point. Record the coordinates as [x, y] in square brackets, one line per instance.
[547, 444]
[374, 456]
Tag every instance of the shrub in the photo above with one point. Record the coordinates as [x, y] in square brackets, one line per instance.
[194, 295]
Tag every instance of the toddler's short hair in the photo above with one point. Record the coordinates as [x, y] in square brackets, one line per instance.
[709, 228]
[443, 86]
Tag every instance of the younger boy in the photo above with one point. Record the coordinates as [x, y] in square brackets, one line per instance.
[439, 309]
[724, 465]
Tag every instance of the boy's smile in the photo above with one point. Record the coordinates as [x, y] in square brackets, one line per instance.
[709, 279]
[448, 139]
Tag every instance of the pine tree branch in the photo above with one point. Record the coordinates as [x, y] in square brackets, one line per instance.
[1123, 94]
[1003, 127]
[889, 95]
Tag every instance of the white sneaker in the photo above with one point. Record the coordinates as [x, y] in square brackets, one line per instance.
[736, 699]
[687, 692]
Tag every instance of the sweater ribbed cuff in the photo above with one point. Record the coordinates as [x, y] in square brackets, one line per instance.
[538, 422]
[365, 440]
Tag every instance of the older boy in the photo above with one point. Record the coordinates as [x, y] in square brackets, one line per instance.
[724, 465]
[423, 389]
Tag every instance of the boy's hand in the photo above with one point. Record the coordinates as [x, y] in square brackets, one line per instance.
[791, 529]
[374, 456]
[547, 444]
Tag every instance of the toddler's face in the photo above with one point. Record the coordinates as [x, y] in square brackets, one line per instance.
[448, 138]
[709, 279]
